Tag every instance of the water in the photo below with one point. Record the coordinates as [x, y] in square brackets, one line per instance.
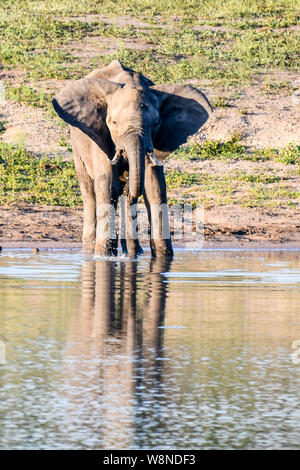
[193, 354]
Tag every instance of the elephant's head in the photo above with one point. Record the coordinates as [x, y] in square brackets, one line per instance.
[133, 122]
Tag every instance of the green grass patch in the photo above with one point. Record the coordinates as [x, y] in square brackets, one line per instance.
[212, 149]
[31, 40]
[220, 102]
[25, 177]
[234, 150]
[34, 34]
[271, 197]
[267, 50]
[175, 179]
[243, 190]
[29, 97]
[273, 86]
[225, 57]
[259, 178]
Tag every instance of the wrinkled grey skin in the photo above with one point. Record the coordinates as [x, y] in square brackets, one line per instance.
[122, 123]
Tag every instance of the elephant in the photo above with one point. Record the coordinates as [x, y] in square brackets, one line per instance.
[122, 127]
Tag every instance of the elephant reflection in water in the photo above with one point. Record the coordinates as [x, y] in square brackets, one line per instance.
[118, 340]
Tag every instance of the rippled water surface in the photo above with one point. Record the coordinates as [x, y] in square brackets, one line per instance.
[200, 353]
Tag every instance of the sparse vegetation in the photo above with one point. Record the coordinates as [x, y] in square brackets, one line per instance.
[220, 102]
[25, 177]
[233, 150]
[33, 35]
[30, 97]
[234, 188]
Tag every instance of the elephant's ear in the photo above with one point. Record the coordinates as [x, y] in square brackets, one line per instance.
[183, 110]
[83, 104]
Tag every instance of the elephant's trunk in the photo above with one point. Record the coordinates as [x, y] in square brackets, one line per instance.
[135, 150]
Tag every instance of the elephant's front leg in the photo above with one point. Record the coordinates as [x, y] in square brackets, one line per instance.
[89, 205]
[155, 195]
[89, 221]
[106, 200]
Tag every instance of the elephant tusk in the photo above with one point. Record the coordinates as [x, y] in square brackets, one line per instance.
[153, 159]
[117, 157]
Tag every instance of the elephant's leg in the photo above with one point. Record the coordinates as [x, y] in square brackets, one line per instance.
[133, 246]
[106, 200]
[155, 196]
[89, 206]
[129, 229]
[122, 213]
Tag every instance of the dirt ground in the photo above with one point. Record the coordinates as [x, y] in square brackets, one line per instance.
[38, 226]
